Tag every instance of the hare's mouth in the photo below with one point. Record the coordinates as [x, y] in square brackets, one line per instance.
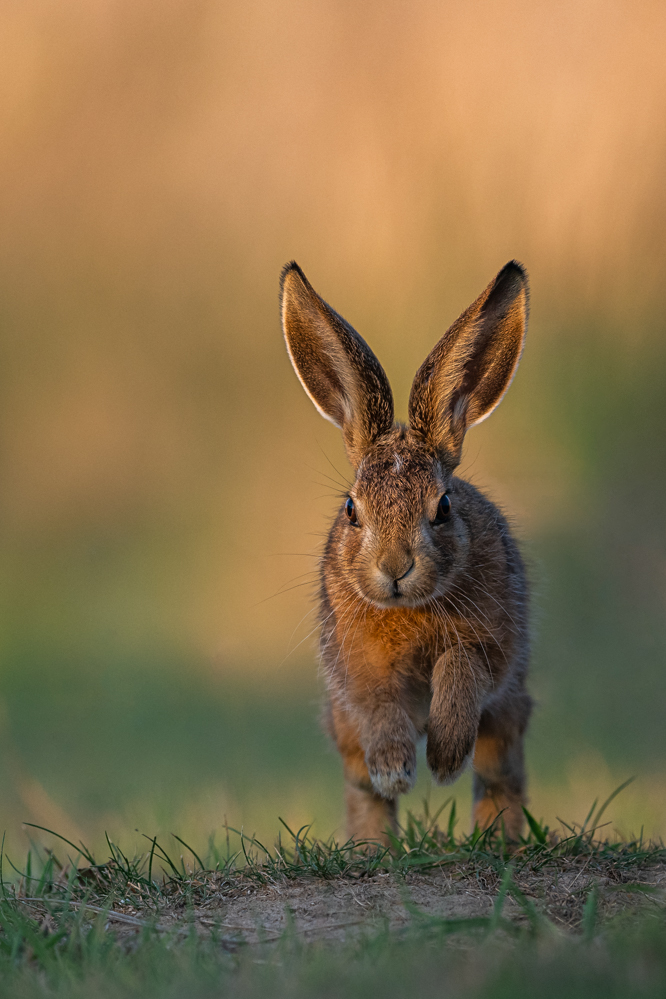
[397, 597]
[404, 604]
[402, 600]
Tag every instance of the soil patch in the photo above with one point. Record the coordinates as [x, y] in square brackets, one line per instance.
[240, 910]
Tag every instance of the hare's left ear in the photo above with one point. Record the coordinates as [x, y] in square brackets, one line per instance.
[336, 367]
[469, 370]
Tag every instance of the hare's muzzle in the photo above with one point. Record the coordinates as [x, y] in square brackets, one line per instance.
[395, 570]
[392, 574]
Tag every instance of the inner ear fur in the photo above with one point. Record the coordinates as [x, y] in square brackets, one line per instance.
[336, 367]
[466, 374]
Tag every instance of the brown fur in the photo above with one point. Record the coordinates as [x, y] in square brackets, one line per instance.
[424, 623]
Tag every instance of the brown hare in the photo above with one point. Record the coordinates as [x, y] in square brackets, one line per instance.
[423, 589]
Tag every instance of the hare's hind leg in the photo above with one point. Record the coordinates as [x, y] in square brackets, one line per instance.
[369, 816]
[499, 768]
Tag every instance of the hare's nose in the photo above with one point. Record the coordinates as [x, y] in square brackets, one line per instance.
[397, 569]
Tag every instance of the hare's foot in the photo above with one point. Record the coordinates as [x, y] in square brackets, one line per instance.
[495, 806]
[392, 766]
[369, 816]
[448, 752]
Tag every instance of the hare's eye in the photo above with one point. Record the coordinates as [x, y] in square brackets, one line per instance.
[350, 510]
[443, 509]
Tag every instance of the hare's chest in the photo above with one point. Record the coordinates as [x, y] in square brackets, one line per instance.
[406, 654]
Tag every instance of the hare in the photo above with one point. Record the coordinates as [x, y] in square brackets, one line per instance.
[423, 592]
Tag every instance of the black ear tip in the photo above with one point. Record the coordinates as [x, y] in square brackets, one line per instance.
[511, 279]
[515, 269]
[290, 268]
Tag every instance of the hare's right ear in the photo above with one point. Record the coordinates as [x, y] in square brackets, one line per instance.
[336, 367]
[469, 370]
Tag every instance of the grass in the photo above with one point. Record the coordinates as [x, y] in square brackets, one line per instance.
[565, 913]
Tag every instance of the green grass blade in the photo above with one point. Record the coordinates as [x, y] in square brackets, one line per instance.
[450, 830]
[535, 828]
[81, 848]
[498, 907]
[589, 815]
[590, 915]
[612, 797]
[194, 854]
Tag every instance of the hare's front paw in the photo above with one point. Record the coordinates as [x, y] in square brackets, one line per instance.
[392, 767]
[449, 753]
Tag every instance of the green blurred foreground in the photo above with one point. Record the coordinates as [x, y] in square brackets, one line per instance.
[57, 935]
[621, 962]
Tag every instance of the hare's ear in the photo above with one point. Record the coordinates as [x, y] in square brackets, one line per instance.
[336, 367]
[469, 370]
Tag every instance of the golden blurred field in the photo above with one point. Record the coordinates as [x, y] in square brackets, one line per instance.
[163, 475]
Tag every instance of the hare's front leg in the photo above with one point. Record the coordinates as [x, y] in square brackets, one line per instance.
[389, 738]
[379, 764]
[459, 683]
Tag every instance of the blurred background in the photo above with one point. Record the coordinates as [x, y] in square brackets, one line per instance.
[165, 482]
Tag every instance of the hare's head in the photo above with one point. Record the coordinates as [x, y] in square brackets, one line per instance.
[404, 526]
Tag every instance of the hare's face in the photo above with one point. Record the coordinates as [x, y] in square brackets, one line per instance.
[402, 536]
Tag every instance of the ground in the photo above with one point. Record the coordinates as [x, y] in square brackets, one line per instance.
[260, 902]
[433, 915]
